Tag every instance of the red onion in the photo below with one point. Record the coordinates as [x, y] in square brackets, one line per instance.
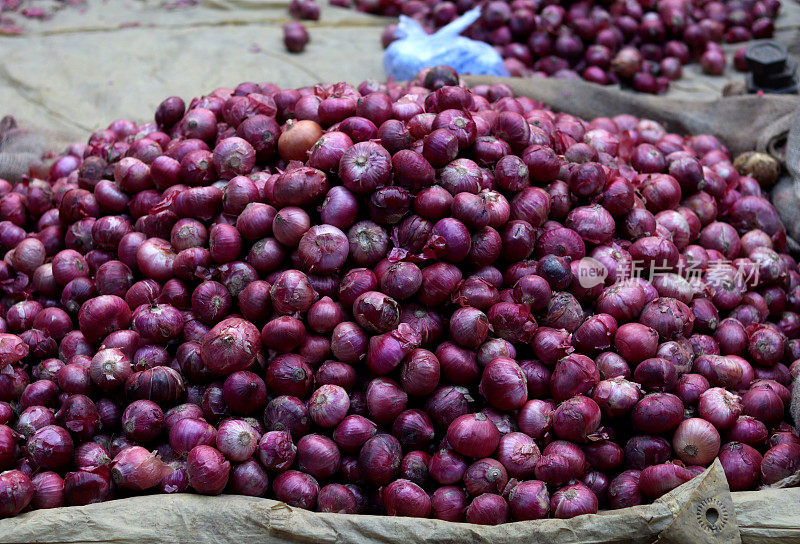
[137, 469]
[485, 476]
[385, 400]
[536, 417]
[473, 435]
[364, 167]
[103, 315]
[449, 503]
[656, 374]
[335, 373]
[414, 467]
[50, 447]
[448, 403]
[296, 489]
[413, 428]
[488, 509]
[696, 441]
[764, 404]
[338, 499]
[690, 387]
[207, 470]
[42, 392]
[48, 490]
[420, 373]
[445, 176]
[595, 333]
[187, 433]
[529, 500]
[244, 392]
[519, 454]
[353, 431]
[290, 374]
[657, 413]
[573, 500]
[780, 462]
[493, 348]
[748, 430]
[380, 458]
[503, 384]
[328, 405]
[659, 479]
[236, 440]
[232, 345]
[162, 385]
[16, 492]
[623, 491]
[142, 420]
[576, 418]
[376, 312]
[292, 292]
[386, 351]
[91, 454]
[34, 418]
[616, 396]
[249, 478]
[573, 375]
[741, 464]
[276, 450]
[110, 369]
[512, 322]
[720, 407]
[405, 498]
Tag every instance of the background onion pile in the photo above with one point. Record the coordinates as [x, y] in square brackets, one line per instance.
[640, 44]
[368, 300]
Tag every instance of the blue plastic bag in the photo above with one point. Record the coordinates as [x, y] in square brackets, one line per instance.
[416, 49]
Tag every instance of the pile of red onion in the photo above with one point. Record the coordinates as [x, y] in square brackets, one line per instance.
[407, 299]
[641, 44]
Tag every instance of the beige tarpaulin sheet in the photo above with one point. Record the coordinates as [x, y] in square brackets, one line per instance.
[81, 70]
